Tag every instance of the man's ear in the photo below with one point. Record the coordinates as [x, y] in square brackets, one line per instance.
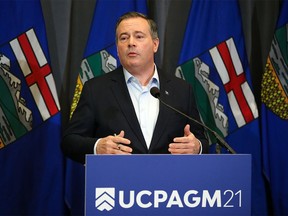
[156, 44]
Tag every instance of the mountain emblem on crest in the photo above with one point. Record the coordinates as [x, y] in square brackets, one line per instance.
[16, 118]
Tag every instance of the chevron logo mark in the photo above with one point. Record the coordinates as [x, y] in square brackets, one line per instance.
[105, 198]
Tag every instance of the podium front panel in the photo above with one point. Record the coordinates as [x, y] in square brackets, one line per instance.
[168, 185]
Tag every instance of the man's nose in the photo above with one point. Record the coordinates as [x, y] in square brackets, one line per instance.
[131, 41]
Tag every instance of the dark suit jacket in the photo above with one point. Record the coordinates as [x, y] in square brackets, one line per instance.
[105, 108]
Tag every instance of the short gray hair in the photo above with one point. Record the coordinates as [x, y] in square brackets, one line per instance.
[152, 23]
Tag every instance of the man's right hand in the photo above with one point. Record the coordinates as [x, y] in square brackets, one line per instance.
[116, 144]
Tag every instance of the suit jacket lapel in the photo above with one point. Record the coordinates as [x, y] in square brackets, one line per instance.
[163, 115]
[122, 97]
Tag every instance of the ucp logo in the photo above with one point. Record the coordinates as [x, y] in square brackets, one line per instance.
[105, 199]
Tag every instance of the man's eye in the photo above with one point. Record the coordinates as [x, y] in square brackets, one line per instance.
[123, 38]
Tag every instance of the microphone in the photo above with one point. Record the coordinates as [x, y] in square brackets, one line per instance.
[155, 92]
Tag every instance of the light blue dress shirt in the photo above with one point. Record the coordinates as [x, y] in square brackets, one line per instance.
[145, 105]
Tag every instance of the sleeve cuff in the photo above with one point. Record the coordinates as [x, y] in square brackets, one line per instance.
[95, 146]
[200, 152]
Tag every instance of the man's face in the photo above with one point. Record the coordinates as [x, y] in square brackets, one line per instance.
[135, 45]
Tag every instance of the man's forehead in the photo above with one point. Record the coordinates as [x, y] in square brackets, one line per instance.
[137, 24]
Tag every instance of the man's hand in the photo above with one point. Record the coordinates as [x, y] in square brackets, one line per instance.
[188, 144]
[114, 145]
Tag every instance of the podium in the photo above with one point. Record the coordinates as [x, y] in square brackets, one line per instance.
[168, 185]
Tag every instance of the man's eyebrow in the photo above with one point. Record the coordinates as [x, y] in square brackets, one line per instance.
[136, 32]
[123, 33]
[141, 32]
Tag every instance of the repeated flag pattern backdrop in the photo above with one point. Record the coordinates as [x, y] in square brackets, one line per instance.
[218, 69]
[31, 162]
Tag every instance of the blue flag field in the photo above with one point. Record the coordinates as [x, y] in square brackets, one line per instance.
[274, 112]
[31, 162]
[213, 59]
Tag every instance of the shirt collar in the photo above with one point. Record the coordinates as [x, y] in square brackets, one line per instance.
[153, 82]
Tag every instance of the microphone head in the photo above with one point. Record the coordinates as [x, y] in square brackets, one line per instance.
[155, 92]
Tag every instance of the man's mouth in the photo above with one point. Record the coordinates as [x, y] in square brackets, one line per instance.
[132, 54]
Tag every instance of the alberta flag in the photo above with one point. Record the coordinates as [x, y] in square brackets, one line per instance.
[213, 59]
[274, 112]
[100, 57]
[31, 162]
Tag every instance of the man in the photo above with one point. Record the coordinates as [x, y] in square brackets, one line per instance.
[116, 113]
